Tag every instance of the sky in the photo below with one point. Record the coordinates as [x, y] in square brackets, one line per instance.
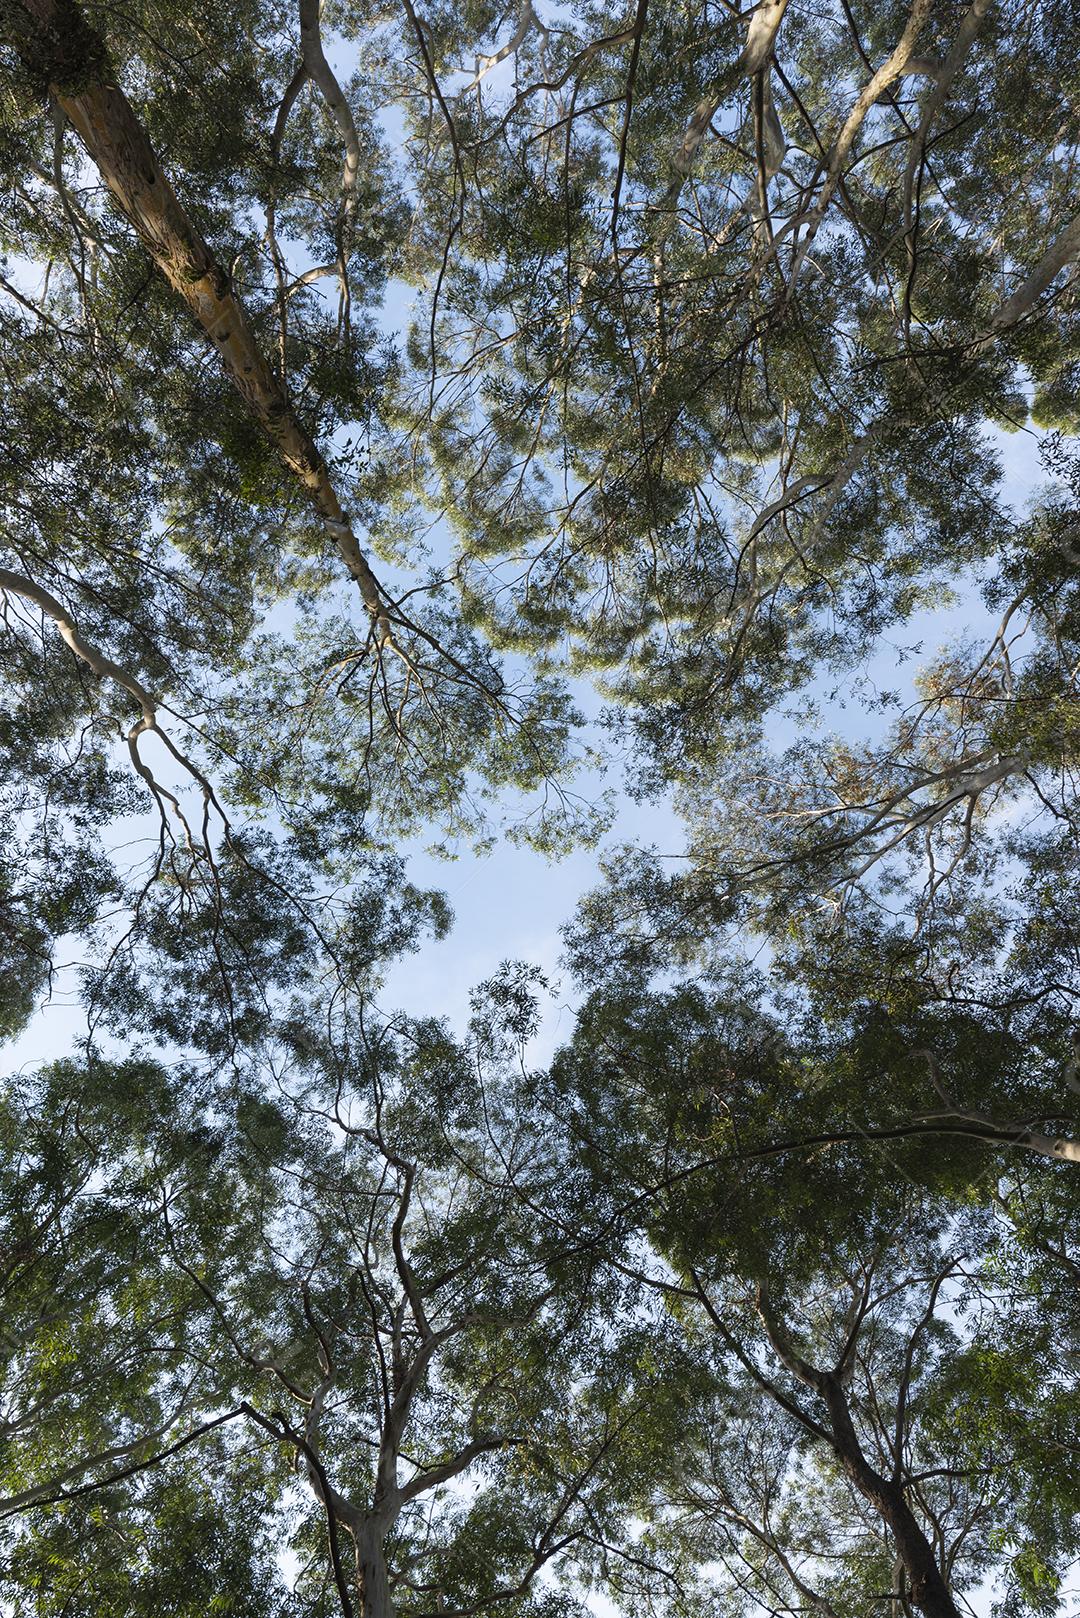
[513, 903]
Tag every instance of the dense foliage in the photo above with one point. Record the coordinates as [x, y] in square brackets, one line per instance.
[450, 421]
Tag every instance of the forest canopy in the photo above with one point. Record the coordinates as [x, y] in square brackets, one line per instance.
[443, 423]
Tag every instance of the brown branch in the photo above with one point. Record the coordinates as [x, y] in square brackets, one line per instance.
[631, 78]
[53, 37]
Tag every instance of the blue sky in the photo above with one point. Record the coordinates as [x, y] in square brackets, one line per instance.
[512, 903]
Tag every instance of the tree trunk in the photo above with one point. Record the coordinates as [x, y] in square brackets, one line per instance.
[371, 1576]
[929, 1591]
[59, 49]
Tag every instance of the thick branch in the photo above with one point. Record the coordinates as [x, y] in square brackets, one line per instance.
[321, 74]
[56, 40]
[1062, 251]
[527, 21]
[928, 1588]
[889, 71]
[445, 1470]
[943, 75]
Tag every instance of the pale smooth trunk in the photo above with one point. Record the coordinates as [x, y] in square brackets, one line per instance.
[371, 1575]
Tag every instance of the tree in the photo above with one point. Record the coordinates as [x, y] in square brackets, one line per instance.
[248, 542]
[336, 1285]
[792, 324]
[376, 382]
[884, 1422]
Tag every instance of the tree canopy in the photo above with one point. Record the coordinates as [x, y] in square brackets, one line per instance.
[456, 423]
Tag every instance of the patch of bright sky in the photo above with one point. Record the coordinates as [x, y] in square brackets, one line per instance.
[512, 904]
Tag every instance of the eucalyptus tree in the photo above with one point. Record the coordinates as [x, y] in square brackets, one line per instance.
[800, 257]
[875, 1451]
[702, 1310]
[170, 520]
[765, 1292]
[297, 1306]
[155, 520]
[724, 303]
[886, 1315]
[798, 267]
[723, 307]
